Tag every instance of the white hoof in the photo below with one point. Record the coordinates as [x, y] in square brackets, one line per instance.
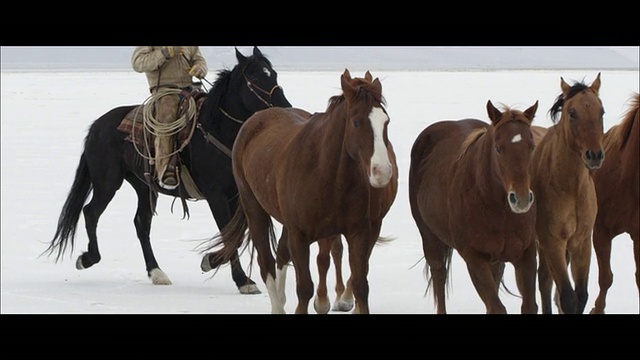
[343, 306]
[158, 277]
[79, 263]
[205, 265]
[250, 289]
[321, 310]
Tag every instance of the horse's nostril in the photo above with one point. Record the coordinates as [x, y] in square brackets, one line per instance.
[530, 196]
[512, 198]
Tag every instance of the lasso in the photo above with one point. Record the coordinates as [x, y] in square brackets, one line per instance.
[153, 127]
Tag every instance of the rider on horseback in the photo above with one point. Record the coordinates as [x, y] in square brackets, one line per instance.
[169, 70]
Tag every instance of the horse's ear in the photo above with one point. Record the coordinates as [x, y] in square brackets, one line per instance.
[530, 113]
[257, 52]
[345, 82]
[368, 76]
[494, 114]
[347, 74]
[595, 86]
[565, 87]
[377, 86]
[241, 58]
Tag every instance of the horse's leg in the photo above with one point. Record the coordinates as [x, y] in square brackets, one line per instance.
[545, 282]
[259, 223]
[299, 250]
[602, 247]
[580, 265]
[104, 189]
[483, 278]
[222, 210]
[283, 257]
[358, 242]
[344, 295]
[497, 269]
[146, 207]
[438, 257]
[321, 302]
[555, 253]
[636, 254]
[525, 270]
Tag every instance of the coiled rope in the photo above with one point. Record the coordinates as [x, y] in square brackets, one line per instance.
[153, 127]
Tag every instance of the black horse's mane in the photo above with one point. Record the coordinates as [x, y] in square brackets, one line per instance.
[221, 85]
[558, 105]
[216, 94]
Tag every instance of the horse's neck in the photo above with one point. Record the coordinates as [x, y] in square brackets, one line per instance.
[484, 165]
[563, 159]
[330, 128]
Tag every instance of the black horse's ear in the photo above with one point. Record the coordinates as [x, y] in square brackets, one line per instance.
[241, 58]
[257, 52]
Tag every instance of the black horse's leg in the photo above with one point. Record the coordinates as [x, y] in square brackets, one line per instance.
[222, 210]
[103, 193]
[146, 207]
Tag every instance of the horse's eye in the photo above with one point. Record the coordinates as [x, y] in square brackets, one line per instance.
[498, 149]
[572, 114]
[356, 123]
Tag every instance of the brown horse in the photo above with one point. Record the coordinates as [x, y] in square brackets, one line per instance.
[328, 174]
[617, 187]
[566, 195]
[469, 190]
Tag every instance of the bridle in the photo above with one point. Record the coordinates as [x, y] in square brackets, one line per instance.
[217, 143]
[251, 85]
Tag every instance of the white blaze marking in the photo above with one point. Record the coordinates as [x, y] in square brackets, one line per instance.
[516, 139]
[381, 169]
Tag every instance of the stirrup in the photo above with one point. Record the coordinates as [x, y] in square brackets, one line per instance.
[169, 181]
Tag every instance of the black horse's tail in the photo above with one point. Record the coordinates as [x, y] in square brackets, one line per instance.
[68, 220]
[233, 236]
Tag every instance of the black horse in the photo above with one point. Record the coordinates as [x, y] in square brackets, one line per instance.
[108, 159]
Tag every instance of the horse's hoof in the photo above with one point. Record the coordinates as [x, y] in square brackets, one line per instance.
[79, 265]
[595, 311]
[321, 309]
[342, 306]
[158, 277]
[205, 265]
[249, 289]
[209, 262]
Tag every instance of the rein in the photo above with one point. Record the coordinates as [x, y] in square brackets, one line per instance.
[217, 143]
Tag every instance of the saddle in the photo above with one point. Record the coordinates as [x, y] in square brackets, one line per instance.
[133, 122]
[133, 126]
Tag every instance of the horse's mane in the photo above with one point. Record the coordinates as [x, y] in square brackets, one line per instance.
[558, 105]
[365, 93]
[215, 94]
[471, 138]
[620, 134]
[221, 85]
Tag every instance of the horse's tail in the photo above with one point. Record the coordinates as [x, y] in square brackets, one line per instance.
[70, 214]
[233, 236]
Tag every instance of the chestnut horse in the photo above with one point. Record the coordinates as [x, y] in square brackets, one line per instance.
[469, 191]
[617, 187]
[328, 174]
[565, 193]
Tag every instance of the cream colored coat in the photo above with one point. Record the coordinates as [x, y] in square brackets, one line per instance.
[162, 71]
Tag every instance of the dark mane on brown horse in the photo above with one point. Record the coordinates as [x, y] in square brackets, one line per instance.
[558, 105]
[566, 195]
